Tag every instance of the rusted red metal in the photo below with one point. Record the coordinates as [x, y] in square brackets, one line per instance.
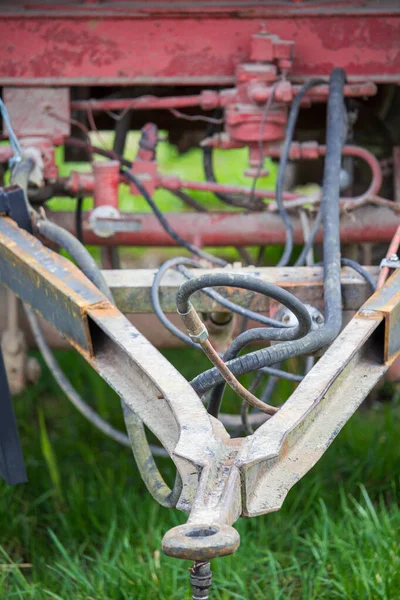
[171, 182]
[85, 182]
[5, 153]
[209, 99]
[106, 182]
[366, 224]
[392, 251]
[43, 112]
[285, 91]
[143, 102]
[199, 43]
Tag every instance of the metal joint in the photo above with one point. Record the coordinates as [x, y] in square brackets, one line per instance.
[393, 262]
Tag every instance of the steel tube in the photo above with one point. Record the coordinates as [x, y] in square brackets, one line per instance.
[366, 224]
[175, 183]
[143, 102]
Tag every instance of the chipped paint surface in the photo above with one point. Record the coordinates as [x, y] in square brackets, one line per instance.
[97, 48]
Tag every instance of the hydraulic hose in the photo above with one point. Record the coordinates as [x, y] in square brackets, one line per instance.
[164, 223]
[249, 282]
[335, 136]
[345, 262]
[155, 299]
[178, 263]
[140, 446]
[310, 241]
[54, 368]
[77, 251]
[291, 124]
[348, 262]
[252, 335]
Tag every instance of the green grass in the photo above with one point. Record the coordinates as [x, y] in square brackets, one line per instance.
[89, 529]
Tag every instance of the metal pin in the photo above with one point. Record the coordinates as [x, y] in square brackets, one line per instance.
[200, 580]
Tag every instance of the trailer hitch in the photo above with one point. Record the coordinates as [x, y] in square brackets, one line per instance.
[222, 478]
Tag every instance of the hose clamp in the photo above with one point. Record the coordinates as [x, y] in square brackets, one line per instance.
[199, 337]
[393, 262]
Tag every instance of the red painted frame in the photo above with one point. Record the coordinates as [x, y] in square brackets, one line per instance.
[185, 43]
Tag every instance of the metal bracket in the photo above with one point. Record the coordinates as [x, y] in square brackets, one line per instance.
[13, 204]
[393, 262]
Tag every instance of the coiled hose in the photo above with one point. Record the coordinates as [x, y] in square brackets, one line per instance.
[335, 136]
[256, 285]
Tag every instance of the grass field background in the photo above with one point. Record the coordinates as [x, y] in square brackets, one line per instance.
[85, 528]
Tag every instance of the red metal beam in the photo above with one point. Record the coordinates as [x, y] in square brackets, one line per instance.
[107, 45]
[366, 224]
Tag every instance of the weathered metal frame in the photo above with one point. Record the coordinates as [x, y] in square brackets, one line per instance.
[366, 224]
[190, 43]
[131, 288]
[222, 478]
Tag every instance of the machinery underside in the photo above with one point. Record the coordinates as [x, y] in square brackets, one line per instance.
[312, 87]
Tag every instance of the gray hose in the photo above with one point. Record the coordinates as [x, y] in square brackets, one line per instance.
[146, 463]
[178, 263]
[310, 241]
[77, 251]
[235, 308]
[291, 124]
[141, 449]
[348, 262]
[259, 334]
[54, 368]
[336, 125]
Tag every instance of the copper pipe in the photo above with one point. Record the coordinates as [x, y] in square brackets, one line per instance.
[393, 249]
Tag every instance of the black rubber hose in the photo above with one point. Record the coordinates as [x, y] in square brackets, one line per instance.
[348, 262]
[249, 282]
[122, 127]
[155, 299]
[167, 227]
[250, 204]
[336, 125]
[310, 241]
[291, 124]
[189, 200]
[77, 251]
[178, 263]
[353, 264]
[261, 335]
[256, 285]
[236, 308]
